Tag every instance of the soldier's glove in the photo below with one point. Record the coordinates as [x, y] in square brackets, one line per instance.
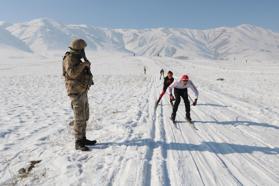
[87, 64]
[195, 102]
[83, 55]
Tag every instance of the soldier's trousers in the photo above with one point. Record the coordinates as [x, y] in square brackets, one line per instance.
[80, 107]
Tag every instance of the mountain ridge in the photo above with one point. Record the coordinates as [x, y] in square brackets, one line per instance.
[44, 36]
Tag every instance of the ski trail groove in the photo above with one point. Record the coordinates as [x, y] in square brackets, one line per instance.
[147, 169]
[247, 157]
[196, 133]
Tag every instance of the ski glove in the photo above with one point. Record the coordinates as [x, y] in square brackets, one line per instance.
[195, 102]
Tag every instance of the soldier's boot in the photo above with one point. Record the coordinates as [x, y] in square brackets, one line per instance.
[89, 142]
[80, 145]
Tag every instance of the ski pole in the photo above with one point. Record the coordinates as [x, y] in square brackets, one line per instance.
[191, 98]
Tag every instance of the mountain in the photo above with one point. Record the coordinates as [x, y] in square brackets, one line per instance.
[4, 24]
[219, 43]
[41, 35]
[45, 36]
[10, 42]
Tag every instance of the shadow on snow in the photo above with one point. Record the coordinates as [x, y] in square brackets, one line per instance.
[237, 122]
[211, 105]
[214, 147]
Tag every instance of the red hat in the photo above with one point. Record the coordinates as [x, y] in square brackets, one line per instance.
[184, 78]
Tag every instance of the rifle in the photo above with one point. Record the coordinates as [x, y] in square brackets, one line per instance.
[87, 69]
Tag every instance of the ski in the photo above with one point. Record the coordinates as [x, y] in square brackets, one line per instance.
[192, 125]
[174, 123]
[156, 105]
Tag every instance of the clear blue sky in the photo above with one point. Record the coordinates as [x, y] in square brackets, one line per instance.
[198, 14]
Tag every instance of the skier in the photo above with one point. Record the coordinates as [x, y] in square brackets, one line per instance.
[181, 90]
[167, 82]
[161, 73]
[144, 69]
[78, 80]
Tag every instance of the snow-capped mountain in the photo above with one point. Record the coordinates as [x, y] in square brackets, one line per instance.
[4, 24]
[244, 41]
[44, 36]
[9, 42]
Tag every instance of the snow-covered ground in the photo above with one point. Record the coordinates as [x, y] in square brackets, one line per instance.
[237, 119]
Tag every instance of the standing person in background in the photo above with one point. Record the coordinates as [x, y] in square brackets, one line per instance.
[181, 90]
[78, 80]
[162, 73]
[167, 82]
[144, 69]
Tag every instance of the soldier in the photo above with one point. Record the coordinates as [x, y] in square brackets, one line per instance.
[78, 80]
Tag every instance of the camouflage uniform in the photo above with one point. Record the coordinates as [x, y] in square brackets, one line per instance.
[78, 80]
[80, 107]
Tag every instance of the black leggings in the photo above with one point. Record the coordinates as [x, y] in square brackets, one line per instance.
[184, 94]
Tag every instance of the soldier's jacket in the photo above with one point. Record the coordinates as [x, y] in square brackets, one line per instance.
[78, 77]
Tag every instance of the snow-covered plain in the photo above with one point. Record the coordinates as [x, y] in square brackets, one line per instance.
[237, 119]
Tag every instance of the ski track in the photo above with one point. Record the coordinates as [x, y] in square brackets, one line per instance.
[266, 174]
[235, 143]
[250, 159]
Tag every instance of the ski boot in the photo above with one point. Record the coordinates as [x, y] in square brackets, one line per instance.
[172, 118]
[188, 118]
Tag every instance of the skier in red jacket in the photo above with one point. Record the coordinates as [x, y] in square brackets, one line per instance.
[167, 81]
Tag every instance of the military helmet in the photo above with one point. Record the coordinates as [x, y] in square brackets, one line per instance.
[78, 44]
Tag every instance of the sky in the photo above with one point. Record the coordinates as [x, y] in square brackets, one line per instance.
[198, 14]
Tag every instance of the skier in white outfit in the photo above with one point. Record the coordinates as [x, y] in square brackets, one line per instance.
[181, 90]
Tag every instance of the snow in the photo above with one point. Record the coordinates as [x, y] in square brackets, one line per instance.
[237, 119]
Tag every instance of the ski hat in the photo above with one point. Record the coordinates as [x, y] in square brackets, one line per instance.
[184, 78]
